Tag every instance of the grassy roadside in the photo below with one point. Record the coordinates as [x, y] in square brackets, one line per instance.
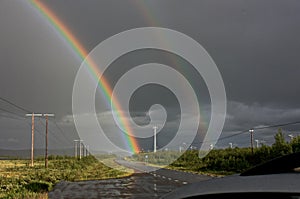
[211, 173]
[18, 180]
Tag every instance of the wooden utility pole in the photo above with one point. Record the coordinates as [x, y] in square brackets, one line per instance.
[80, 150]
[32, 115]
[46, 138]
[46, 152]
[32, 138]
[87, 150]
[84, 150]
[251, 140]
[75, 146]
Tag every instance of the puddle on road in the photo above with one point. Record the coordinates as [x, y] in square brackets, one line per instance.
[135, 186]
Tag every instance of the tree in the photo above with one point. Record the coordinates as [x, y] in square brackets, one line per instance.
[279, 138]
[280, 147]
[295, 143]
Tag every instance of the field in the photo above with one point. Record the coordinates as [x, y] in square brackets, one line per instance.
[19, 180]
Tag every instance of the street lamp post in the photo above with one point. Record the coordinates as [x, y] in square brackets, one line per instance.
[154, 147]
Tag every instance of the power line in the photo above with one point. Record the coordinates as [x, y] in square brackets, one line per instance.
[20, 119]
[43, 133]
[11, 115]
[25, 110]
[15, 105]
[54, 137]
[36, 130]
[236, 134]
[277, 125]
[247, 131]
[57, 138]
[10, 112]
[62, 132]
[260, 128]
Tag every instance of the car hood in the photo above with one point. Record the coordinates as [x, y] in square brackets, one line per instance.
[275, 183]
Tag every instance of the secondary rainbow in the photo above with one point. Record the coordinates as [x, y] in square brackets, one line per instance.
[147, 13]
[81, 52]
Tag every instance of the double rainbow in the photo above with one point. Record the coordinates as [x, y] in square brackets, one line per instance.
[81, 52]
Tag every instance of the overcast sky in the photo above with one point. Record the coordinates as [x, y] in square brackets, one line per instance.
[254, 43]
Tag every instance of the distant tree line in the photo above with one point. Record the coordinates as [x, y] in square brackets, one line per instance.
[226, 161]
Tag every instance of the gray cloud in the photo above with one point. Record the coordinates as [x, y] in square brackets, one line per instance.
[242, 117]
[255, 45]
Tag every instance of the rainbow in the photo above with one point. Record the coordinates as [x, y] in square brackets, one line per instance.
[82, 53]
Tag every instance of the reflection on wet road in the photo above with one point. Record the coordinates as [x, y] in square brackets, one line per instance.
[135, 186]
[153, 184]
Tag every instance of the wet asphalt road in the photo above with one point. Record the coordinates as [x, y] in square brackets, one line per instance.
[152, 184]
[171, 175]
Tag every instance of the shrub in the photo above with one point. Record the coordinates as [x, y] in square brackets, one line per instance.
[38, 186]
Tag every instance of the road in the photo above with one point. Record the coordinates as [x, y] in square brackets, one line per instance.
[177, 176]
[152, 184]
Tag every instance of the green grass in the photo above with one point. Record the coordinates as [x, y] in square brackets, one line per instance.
[19, 180]
[213, 173]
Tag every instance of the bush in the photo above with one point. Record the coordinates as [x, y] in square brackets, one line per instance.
[38, 186]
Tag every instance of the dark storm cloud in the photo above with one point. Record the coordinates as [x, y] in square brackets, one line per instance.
[241, 117]
[255, 45]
